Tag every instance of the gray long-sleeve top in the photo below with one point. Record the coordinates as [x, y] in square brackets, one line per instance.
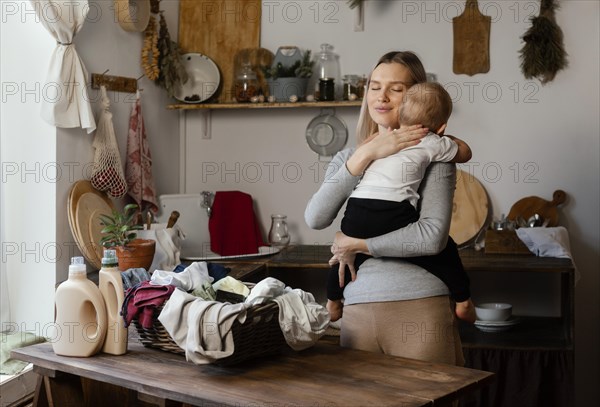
[387, 277]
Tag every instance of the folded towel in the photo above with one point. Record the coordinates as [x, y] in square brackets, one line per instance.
[548, 242]
[232, 225]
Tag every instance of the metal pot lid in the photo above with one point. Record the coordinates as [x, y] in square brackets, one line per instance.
[326, 134]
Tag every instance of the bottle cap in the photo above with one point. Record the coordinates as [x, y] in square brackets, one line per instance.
[77, 266]
[110, 258]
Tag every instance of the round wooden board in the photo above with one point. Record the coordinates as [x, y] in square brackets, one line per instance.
[79, 189]
[470, 209]
[89, 207]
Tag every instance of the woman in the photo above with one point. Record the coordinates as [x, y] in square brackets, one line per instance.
[393, 306]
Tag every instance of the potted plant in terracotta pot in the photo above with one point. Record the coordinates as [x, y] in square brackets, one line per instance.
[119, 234]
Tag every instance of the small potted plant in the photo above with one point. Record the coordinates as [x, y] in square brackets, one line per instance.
[289, 74]
[119, 233]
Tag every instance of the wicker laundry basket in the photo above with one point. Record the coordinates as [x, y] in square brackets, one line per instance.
[260, 335]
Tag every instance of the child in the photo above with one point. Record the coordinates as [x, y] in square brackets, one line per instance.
[386, 197]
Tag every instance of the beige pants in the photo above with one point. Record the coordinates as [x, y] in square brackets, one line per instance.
[423, 329]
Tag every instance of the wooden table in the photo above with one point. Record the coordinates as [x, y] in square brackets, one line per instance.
[325, 375]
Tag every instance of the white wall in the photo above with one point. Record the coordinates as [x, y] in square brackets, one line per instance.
[560, 126]
[527, 139]
[36, 210]
[102, 44]
[28, 156]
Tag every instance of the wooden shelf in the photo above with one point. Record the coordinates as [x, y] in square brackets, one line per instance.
[287, 105]
[532, 333]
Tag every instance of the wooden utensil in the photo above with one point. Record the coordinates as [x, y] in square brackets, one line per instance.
[471, 41]
[470, 210]
[529, 206]
[218, 30]
[79, 189]
[87, 220]
[172, 219]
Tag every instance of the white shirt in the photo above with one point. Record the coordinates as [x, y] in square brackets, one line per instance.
[398, 176]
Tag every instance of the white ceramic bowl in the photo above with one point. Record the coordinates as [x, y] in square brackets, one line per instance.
[493, 311]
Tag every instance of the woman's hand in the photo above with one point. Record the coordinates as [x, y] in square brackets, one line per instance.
[384, 144]
[344, 250]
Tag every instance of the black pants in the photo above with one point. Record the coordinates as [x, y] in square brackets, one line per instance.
[366, 218]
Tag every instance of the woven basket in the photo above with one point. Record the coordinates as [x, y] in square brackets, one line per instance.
[260, 335]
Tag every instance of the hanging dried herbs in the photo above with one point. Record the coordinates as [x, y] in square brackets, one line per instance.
[354, 3]
[150, 54]
[172, 71]
[543, 54]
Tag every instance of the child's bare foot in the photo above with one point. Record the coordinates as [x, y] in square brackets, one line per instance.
[466, 311]
[335, 309]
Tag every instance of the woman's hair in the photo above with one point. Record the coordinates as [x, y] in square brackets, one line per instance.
[366, 126]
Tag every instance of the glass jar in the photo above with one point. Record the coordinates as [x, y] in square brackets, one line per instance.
[278, 234]
[327, 65]
[350, 87]
[246, 84]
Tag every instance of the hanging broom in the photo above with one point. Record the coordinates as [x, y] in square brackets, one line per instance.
[543, 54]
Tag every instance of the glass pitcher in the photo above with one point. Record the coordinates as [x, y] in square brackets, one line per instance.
[278, 234]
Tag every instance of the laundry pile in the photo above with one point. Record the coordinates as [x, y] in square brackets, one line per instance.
[198, 319]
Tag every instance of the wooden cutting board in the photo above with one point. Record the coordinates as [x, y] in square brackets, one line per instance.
[470, 210]
[219, 29]
[471, 41]
[75, 211]
[529, 206]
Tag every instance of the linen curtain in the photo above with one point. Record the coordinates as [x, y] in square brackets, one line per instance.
[66, 102]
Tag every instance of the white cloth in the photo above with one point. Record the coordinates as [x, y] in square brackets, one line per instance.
[168, 245]
[265, 290]
[398, 176]
[193, 277]
[201, 328]
[70, 106]
[302, 320]
[232, 285]
[548, 242]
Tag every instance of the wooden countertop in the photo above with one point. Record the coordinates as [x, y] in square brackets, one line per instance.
[325, 374]
[317, 256]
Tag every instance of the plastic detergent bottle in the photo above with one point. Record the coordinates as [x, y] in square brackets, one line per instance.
[81, 320]
[111, 287]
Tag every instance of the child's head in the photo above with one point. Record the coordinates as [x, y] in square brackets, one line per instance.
[428, 104]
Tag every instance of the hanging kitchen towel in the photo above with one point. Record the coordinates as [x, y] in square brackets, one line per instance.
[138, 168]
[232, 225]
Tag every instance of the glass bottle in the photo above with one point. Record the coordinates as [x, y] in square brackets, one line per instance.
[278, 234]
[327, 65]
[246, 84]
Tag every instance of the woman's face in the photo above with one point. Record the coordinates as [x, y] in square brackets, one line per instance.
[388, 83]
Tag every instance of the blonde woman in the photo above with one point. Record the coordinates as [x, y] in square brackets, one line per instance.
[393, 306]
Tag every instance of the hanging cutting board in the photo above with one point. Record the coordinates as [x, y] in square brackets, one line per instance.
[471, 41]
[529, 206]
[219, 29]
[470, 209]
